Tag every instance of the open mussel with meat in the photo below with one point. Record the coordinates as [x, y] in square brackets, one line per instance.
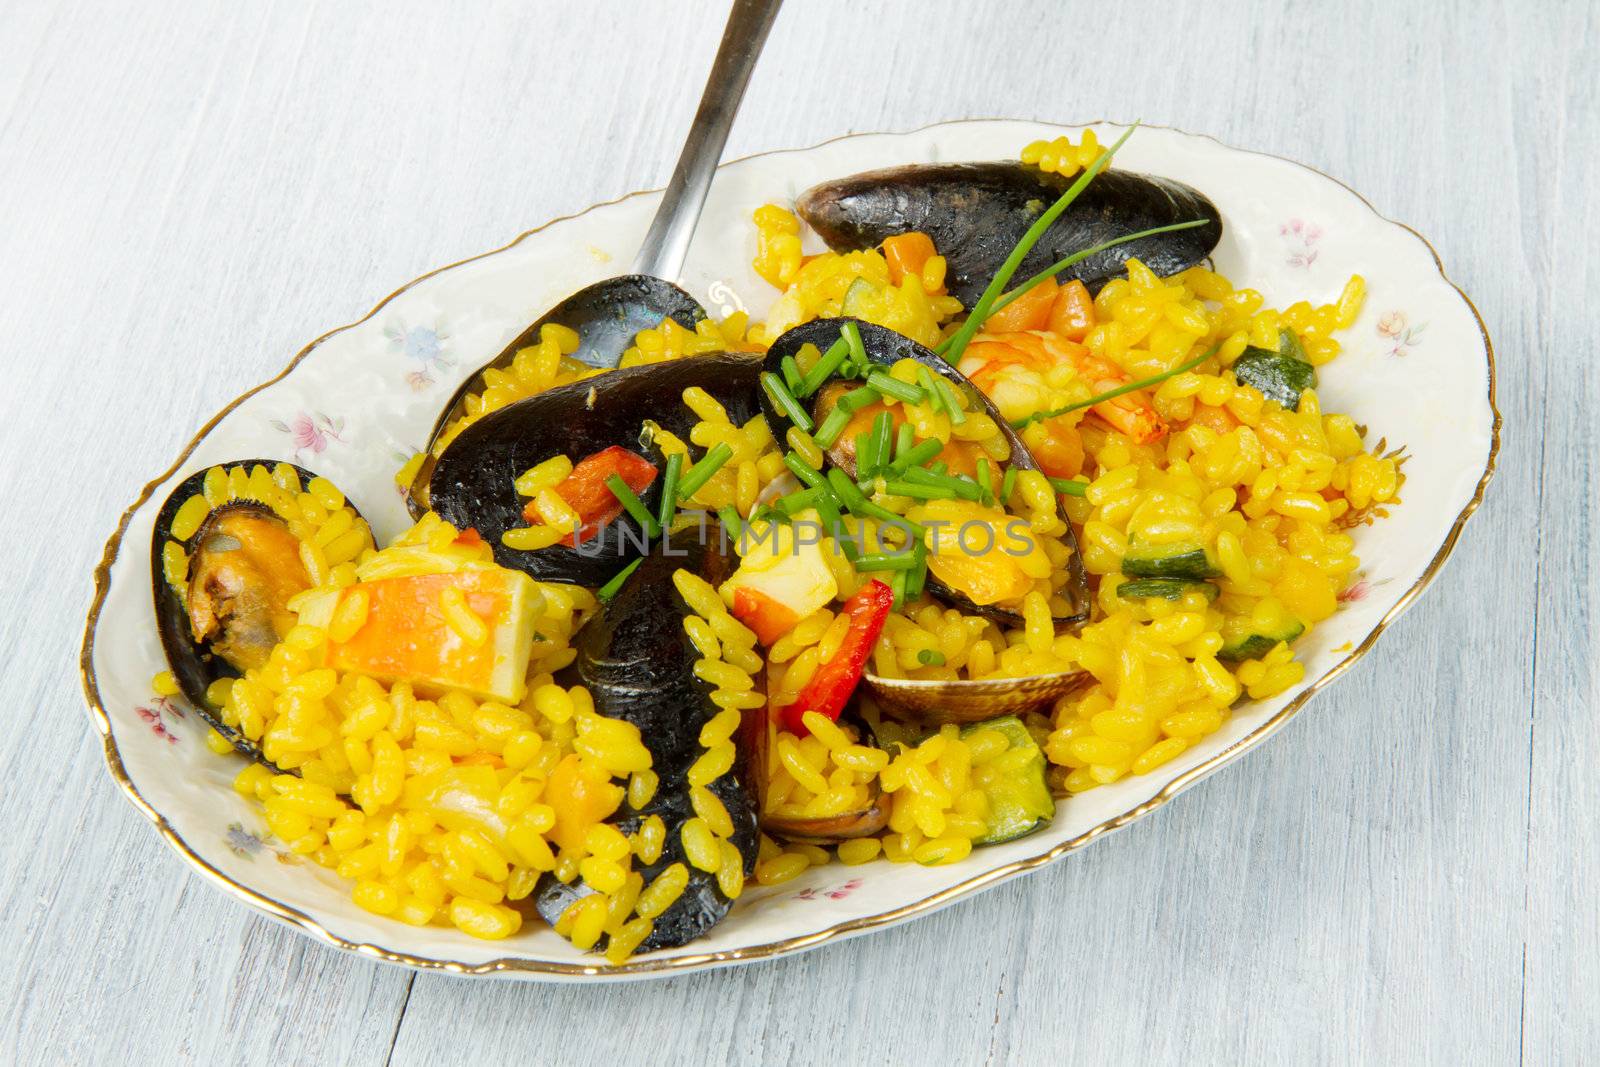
[233, 546]
[951, 468]
[912, 450]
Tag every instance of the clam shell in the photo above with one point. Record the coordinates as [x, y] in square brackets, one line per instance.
[937, 702]
[834, 828]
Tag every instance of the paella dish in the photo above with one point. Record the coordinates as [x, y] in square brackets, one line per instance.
[1008, 495]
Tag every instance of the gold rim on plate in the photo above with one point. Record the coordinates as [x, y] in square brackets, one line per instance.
[513, 965]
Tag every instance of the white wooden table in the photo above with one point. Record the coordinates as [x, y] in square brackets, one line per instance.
[191, 191]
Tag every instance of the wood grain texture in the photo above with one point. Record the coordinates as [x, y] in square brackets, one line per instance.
[191, 191]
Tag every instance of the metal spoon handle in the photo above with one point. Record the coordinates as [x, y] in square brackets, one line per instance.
[666, 246]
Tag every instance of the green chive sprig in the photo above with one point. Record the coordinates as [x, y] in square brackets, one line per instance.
[611, 588]
[698, 475]
[888, 385]
[836, 354]
[785, 401]
[632, 504]
[669, 492]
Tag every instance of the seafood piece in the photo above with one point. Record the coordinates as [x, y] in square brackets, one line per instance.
[244, 567]
[474, 482]
[820, 830]
[963, 701]
[826, 696]
[1011, 367]
[884, 348]
[606, 316]
[637, 662]
[231, 546]
[977, 212]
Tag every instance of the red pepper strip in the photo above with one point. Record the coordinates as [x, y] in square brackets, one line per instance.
[830, 688]
[586, 491]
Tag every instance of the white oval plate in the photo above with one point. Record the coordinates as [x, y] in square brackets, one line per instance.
[1417, 369]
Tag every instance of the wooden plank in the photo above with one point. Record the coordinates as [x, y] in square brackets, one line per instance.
[1563, 954]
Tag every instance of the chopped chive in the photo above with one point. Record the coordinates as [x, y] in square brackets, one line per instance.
[930, 657]
[786, 403]
[698, 475]
[920, 453]
[882, 440]
[632, 504]
[1007, 484]
[610, 589]
[985, 482]
[852, 337]
[919, 574]
[669, 492]
[939, 467]
[791, 372]
[802, 470]
[866, 458]
[846, 490]
[1069, 486]
[1112, 394]
[964, 488]
[935, 398]
[897, 586]
[795, 503]
[828, 508]
[952, 402]
[832, 426]
[836, 354]
[852, 498]
[1002, 277]
[886, 561]
[889, 385]
[731, 522]
[920, 492]
[856, 399]
[904, 438]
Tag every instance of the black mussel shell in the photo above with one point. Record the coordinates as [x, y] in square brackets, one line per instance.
[473, 483]
[194, 665]
[637, 662]
[886, 347]
[975, 213]
[607, 316]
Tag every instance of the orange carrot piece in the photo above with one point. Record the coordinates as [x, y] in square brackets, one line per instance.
[1030, 311]
[907, 253]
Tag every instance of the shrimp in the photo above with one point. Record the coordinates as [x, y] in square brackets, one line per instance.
[1012, 368]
